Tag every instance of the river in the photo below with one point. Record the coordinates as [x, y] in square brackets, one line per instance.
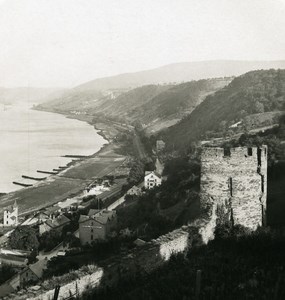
[33, 140]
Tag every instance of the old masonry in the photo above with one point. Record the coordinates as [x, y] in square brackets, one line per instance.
[235, 180]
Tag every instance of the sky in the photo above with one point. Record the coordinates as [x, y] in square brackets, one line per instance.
[63, 43]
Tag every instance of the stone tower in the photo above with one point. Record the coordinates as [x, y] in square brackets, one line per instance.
[236, 181]
[11, 215]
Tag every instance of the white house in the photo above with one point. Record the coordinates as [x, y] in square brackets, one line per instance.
[151, 179]
[11, 215]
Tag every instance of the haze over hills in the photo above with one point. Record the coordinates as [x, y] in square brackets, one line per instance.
[179, 72]
[97, 93]
[30, 95]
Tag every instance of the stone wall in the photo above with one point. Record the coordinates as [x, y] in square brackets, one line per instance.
[142, 259]
[236, 181]
[233, 183]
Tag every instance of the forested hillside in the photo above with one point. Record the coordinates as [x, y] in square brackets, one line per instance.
[254, 95]
[130, 101]
[172, 105]
[155, 107]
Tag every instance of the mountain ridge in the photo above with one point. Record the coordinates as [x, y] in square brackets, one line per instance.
[179, 72]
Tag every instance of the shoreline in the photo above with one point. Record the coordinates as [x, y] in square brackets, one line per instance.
[68, 163]
[70, 181]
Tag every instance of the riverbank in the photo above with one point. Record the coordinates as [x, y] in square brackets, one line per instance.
[73, 180]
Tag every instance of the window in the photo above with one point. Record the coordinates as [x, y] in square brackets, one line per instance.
[227, 152]
[91, 237]
[231, 186]
[249, 151]
[92, 230]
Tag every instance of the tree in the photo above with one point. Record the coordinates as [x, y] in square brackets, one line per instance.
[50, 239]
[24, 238]
[259, 107]
[6, 272]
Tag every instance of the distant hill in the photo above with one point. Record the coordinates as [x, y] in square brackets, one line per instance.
[72, 100]
[173, 104]
[153, 106]
[256, 95]
[179, 72]
[122, 105]
[31, 95]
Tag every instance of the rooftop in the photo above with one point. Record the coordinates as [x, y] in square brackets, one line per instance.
[13, 258]
[102, 217]
[58, 221]
[152, 172]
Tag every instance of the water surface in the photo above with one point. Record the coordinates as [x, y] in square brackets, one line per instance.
[32, 140]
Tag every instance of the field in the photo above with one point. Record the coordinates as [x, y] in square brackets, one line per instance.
[68, 183]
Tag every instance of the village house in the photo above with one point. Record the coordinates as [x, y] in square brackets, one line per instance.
[20, 280]
[23, 278]
[42, 216]
[151, 179]
[134, 191]
[11, 215]
[55, 223]
[97, 225]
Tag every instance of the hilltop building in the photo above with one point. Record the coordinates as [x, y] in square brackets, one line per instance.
[98, 225]
[236, 181]
[151, 179]
[11, 215]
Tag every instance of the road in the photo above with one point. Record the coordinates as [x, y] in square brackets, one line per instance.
[139, 147]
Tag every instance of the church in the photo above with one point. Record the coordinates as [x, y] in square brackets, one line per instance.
[11, 215]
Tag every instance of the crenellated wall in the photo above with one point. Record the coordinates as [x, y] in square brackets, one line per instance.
[236, 180]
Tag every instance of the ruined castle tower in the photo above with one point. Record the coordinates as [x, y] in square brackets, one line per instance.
[236, 181]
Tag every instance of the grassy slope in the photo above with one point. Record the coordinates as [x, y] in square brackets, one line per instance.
[156, 106]
[176, 101]
[252, 93]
